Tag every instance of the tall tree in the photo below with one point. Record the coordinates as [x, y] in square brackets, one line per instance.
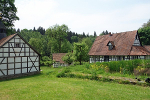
[95, 35]
[8, 14]
[68, 58]
[80, 52]
[144, 33]
[58, 33]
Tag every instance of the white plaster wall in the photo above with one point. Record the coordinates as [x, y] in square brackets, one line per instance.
[24, 70]
[24, 59]
[32, 69]
[17, 59]
[3, 66]
[6, 45]
[17, 65]
[1, 73]
[1, 50]
[11, 65]
[11, 59]
[17, 71]
[10, 72]
[24, 64]
[12, 54]
[4, 61]
[5, 49]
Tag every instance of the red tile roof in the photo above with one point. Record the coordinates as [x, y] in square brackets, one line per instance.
[147, 47]
[58, 57]
[4, 40]
[123, 43]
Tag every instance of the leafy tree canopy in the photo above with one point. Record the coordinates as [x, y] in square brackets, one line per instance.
[8, 14]
[80, 52]
[68, 58]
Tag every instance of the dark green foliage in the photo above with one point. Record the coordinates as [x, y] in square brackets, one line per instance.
[68, 58]
[47, 61]
[59, 34]
[104, 33]
[80, 52]
[63, 72]
[144, 34]
[8, 13]
[41, 30]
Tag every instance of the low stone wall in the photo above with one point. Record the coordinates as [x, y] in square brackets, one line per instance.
[142, 71]
[18, 75]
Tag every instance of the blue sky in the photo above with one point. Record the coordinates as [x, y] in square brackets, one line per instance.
[83, 15]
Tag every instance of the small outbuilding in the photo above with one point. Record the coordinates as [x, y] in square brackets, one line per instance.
[17, 57]
[57, 58]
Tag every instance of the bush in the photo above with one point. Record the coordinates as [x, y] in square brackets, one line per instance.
[63, 72]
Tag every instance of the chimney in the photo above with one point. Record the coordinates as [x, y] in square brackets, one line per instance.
[2, 30]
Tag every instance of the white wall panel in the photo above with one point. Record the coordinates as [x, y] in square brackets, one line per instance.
[17, 71]
[17, 54]
[22, 41]
[17, 59]
[10, 59]
[6, 45]
[11, 49]
[21, 54]
[5, 72]
[26, 45]
[4, 61]
[24, 59]
[24, 70]
[12, 40]
[29, 64]
[17, 49]
[12, 54]
[24, 64]
[31, 54]
[5, 49]
[3, 66]
[5, 54]
[31, 50]
[32, 69]
[1, 54]
[16, 36]
[36, 63]
[10, 72]
[1, 74]
[27, 49]
[1, 49]
[32, 58]
[16, 40]
[27, 54]
[17, 65]
[10, 66]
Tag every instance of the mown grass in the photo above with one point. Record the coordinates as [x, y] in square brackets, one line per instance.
[47, 86]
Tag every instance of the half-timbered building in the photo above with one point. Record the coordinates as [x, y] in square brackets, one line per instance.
[119, 46]
[17, 57]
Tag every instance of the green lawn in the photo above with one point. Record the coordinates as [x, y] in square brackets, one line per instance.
[46, 86]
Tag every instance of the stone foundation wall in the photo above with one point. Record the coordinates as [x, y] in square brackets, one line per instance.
[18, 75]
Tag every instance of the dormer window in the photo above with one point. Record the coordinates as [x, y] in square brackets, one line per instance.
[110, 45]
